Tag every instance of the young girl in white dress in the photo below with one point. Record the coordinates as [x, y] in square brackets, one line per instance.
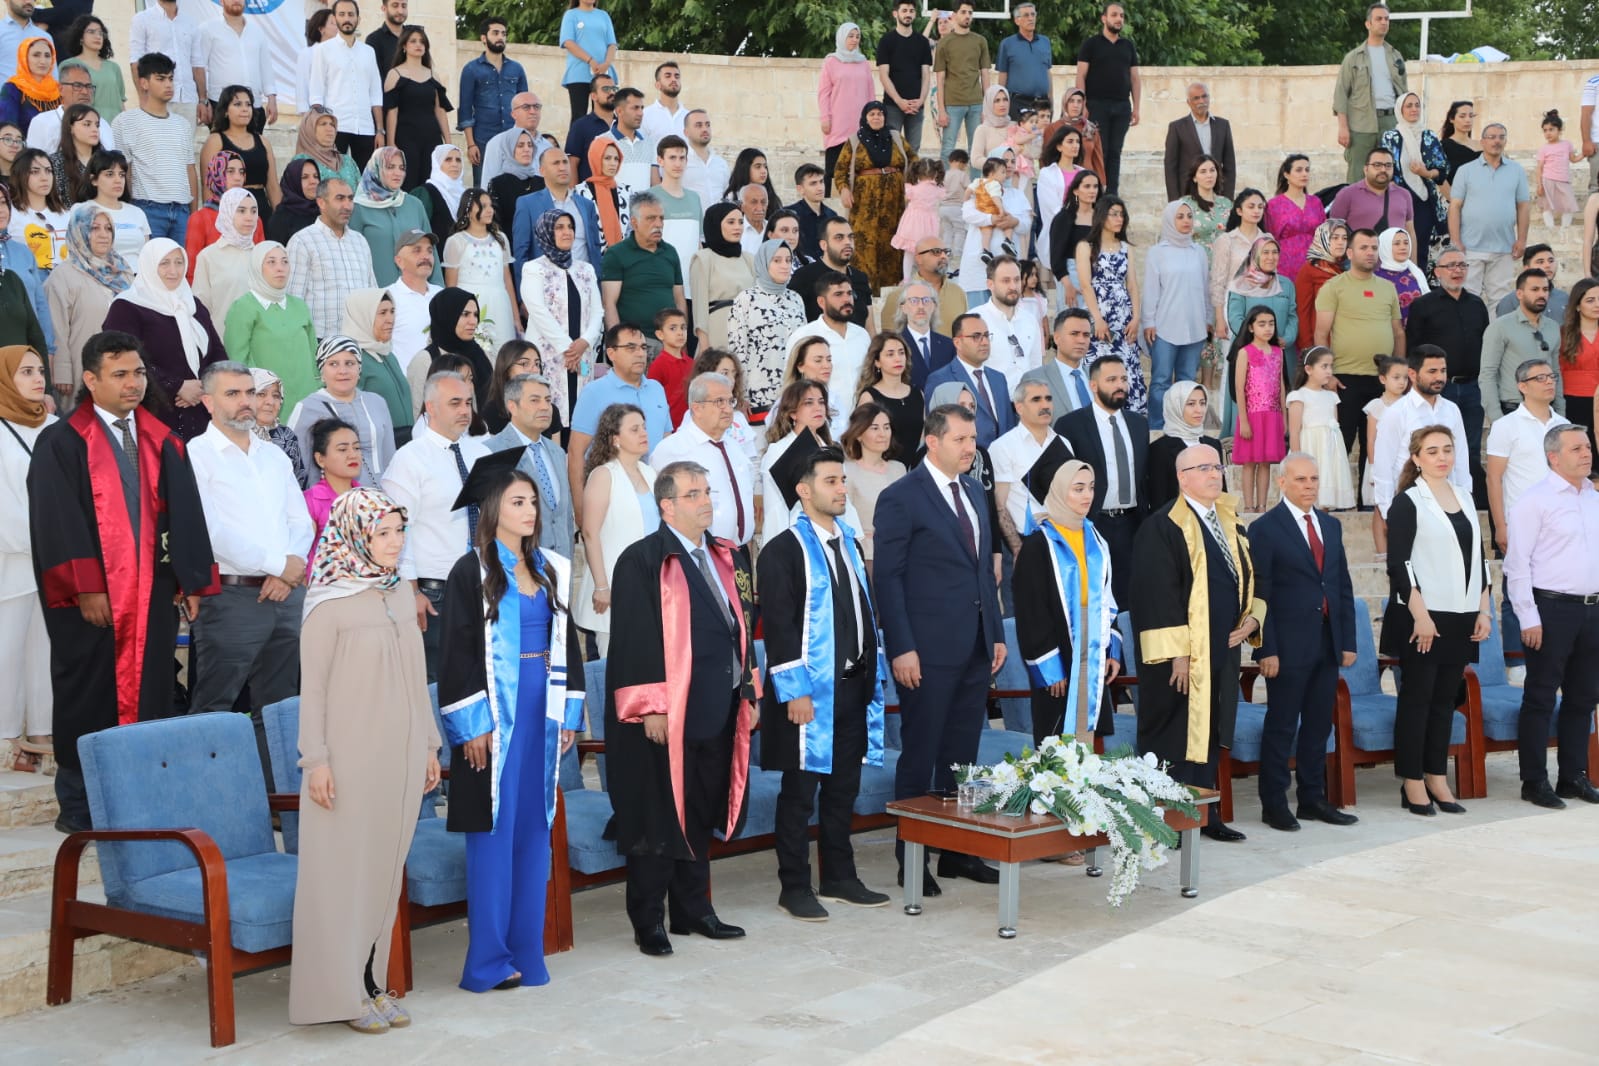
[1313, 428]
[477, 258]
[1394, 373]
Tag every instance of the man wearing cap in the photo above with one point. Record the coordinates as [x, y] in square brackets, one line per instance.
[556, 170]
[327, 260]
[527, 401]
[425, 477]
[415, 256]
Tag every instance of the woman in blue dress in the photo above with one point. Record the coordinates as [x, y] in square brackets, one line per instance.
[1112, 295]
[508, 714]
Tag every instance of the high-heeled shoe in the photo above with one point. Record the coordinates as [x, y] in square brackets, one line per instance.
[1426, 810]
[1447, 806]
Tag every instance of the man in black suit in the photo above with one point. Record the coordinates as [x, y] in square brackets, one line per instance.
[1115, 442]
[939, 609]
[1303, 575]
[677, 726]
[930, 349]
[1195, 134]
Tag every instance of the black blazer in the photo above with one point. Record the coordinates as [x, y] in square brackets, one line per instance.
[1082, 434]
[1287, 580]
[1182, 148]
[941, 348]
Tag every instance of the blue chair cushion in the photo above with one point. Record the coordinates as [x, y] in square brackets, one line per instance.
[1363, 678]
[1372, 720]
[995, 744]
[435, 867]
[587, 850]
[1126, 734]
[1017, 711]
[594, 709]
[761, 804]
[260, 897]
[877, 785]
[1250, 727]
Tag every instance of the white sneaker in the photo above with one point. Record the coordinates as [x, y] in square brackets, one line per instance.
[1516, 675]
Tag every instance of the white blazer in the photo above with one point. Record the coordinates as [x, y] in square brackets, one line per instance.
[1435, 566]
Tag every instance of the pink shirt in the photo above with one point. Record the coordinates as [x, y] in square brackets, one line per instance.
[319, 501]
[1554, 161]
[846, 89]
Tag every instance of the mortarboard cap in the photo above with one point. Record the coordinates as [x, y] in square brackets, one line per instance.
[1038, 477]
[485, 473]
[790, 466]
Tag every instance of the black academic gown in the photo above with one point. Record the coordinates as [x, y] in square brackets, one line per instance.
[1176, 615]
[85, 542]
[646, 666]
[1041, 628]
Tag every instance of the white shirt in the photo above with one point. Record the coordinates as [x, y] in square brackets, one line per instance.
[1406, 415]
[776, 515]
[691, 547]
[411, 320]
[659, 122]
[1590, 98]
[849, 355]
[751, 239]
[233, 58]
[424, 478]
[254, 509]
[851, 654]
[345, 80]
[152, 31]
[941, 482]
[1012, 360]
[1299, 524]
[1518, 439]
[1202, 131]
[708, 177]
[1114, 495]
[693, 443]
[44, 132]
[1013, 453]
[110, 419]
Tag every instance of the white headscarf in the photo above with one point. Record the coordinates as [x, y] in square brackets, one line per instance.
[226, 231]
[452, 189]
[149, 291]
[1386, 261]
[1410, 146]
[1168, 227]
[839, 52]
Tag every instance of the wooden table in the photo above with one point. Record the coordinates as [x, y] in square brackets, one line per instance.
[927, 821]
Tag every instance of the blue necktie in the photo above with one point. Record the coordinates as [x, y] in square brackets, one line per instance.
[1082, 390]
[471, 510]
[546, 488]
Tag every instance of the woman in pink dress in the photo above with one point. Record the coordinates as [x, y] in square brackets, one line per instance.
[1293, 214]
[336, 452]
[846, 87]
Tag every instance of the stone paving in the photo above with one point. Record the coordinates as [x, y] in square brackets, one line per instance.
[1446, 940]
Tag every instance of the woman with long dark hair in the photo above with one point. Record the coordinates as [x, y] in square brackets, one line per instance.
[618, 509]
[1230, 250]
[88, 45]
[415, 105]
[1579, 353]
[234, 129]
[38, 212]
[512, 359]
[870, 466]
[1459, 146]
[750, 168]
[1293, 214]
[477, 258]
[1069, 229]
[80, 139]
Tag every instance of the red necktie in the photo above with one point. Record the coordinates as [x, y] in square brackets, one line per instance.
[732, 479]
[1317, 552]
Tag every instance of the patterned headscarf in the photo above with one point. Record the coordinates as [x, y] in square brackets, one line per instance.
[216, 176]
[344, 565]
[373, 193]
[332, 346]
[112, 271]
[1252, 280]
[227, 231]
[305, 142]
[263, 379]
[544, 234]
[1321, 240]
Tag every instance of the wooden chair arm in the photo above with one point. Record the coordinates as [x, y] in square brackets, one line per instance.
[283, 801]
[213, 868]
[1516, 655]
[1248, 674]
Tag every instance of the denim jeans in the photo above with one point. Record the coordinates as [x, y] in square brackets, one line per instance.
[908, 125]
[166, 220]
[1164, 358]
[967, 116]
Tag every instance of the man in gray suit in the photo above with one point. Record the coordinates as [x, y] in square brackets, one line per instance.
[1063, 370]
[527, 401]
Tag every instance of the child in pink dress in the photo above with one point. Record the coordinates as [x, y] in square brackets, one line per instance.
[1259, 440]
[924, 191]
[1552, 179]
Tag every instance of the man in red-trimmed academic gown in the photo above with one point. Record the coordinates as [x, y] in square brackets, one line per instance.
[679, 706]
[119, 538]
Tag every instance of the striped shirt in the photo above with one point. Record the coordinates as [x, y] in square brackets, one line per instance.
[159, 151]
[325, 268]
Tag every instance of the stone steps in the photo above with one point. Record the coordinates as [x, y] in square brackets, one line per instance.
[26, 800]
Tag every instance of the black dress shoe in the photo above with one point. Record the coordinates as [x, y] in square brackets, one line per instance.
[1322, 811]
[652, 941]
[1540, 794]
[1578, 787]
[853, 893]
[709, 926]
[1447, 806]
[1279, 818]
[969, 867]
[516, 982]
[1222, 833]
[801, 903]
[1426, 810]
[929, 886]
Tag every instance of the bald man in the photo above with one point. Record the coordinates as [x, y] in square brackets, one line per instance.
[932, 268]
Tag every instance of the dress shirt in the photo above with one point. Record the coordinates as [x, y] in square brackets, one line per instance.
[852, 655]
[1509, 341]
[1517, 438]
[44, 132]
[708, 177]
[849, 355]
[152, 31]
[424, 479]
[1114, 497]
[411, 320]
[254, 509]
[1013, 453]
[694, 444]
[1454, 323]
[325, 268]
[751, 239]
[659, 122]
[1299, 524]
[1202, 132]
[116, 434]
[345, 80]
[1404, 416]
[542, 459]
[691, 547]
[1553, 529]
[232, 58]
[1073, 400]
[647, 396]
[941, 482]
[1012, 359]
[12, 34]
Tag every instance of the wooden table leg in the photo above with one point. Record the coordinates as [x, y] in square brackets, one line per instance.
[1190, 865]
[914, 860]
[1009, 898]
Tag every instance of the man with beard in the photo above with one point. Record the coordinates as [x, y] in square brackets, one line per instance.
[929, 349]
[1357, 316]
[834, 302]
[1018, 339]
[680, 698]
[904, 62]
[345, 80]
[385, 40]
[1512, 339]
[1423, 405]
[932, 267]
[489, 84]
[1194, 601]
[665, 116]
[838, 250]
[597, 123]
[707, 173]
[119, 537]
[1373, 203]
[1115, 442]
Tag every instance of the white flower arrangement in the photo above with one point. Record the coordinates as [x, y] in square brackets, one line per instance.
[1120, 795]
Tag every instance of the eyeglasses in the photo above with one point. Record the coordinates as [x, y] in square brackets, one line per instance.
[976, 336]
[1204, 468]
[934, 251]
[1451, 266]
[627, 347]
[695, 494]
[77, 85]
[528, 107]
[11, 142]
[1379, 166]
[722, 401]
[1542, 379]
[919, 300]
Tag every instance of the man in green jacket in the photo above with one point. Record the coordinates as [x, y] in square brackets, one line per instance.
[1371, 79]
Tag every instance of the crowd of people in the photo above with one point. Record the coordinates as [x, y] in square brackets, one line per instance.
[372, 421]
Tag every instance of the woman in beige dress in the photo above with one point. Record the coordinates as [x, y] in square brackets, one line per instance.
[369, 749]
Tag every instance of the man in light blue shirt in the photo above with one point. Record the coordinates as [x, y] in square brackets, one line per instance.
[1489, 209]
[1023, 62]
[626, 383]
[17, 26]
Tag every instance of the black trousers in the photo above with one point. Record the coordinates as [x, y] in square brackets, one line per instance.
[1565, 662]
[798, 797]
[829, 161]
[577, 99]
[941, 722]
[433, 635]
[1300, 695]
[1119, 532]
[359, 145]
[1359, 390]
[1202, 774]
[1114, 118]
[1429, 685]
[658, 882]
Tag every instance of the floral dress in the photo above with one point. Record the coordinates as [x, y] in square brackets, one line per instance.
[758, 328]
[1116, 308]
[1293, 226]
[482, 263]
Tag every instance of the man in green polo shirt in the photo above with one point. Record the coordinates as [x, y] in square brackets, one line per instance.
[643, 274]
[1357, 316]
[961, 68]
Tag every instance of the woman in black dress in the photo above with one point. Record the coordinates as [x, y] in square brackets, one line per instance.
[1438, 610]
[233, 130]
[1460, 147]
[1070, 228]
[1185, 406]
[415, 105]
[519, 178]
[886, 381]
